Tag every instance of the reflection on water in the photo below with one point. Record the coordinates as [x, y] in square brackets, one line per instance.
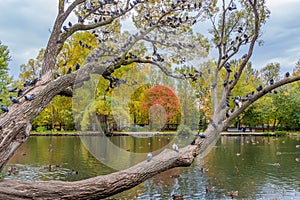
[66, 155]
[59, 158]
[243, 164]
[256, 167]
[123, 152]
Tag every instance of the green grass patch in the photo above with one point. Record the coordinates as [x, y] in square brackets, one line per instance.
[168, 132]
[184, 130]
[281, 132]
[54, 133]
[295, 133]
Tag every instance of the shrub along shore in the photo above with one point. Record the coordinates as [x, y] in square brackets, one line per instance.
[156, 133]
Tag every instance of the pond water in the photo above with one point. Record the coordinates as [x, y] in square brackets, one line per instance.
[256, 167]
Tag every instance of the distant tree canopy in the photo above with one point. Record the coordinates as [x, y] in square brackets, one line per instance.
[5, 80]
[275, 109]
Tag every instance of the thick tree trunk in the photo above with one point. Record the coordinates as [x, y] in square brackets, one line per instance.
[102, 186]
[11, 142]
[16, 124]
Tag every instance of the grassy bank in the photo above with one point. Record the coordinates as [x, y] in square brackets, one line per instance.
[75, 133]
[124, 133]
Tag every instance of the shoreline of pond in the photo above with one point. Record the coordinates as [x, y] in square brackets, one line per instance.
[148, 134]
[108, 135]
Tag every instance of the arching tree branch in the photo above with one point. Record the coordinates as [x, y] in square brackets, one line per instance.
[101, 186]
[258, 95]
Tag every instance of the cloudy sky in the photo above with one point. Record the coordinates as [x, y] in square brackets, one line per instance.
[25, 27]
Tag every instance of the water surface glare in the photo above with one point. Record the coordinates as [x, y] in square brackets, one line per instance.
[256, 167]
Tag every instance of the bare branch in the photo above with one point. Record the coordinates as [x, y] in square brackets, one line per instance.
[83, 27]
[64, 15]
[160, 66]
[227, 90]
[251, 47]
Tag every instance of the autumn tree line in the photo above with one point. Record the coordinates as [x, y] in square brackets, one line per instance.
[156, 102]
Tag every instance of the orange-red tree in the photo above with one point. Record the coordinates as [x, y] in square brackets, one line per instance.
[162, 106]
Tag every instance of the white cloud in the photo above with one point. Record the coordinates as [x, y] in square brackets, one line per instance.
[25, 27]
[280, 35]
[276, 3]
